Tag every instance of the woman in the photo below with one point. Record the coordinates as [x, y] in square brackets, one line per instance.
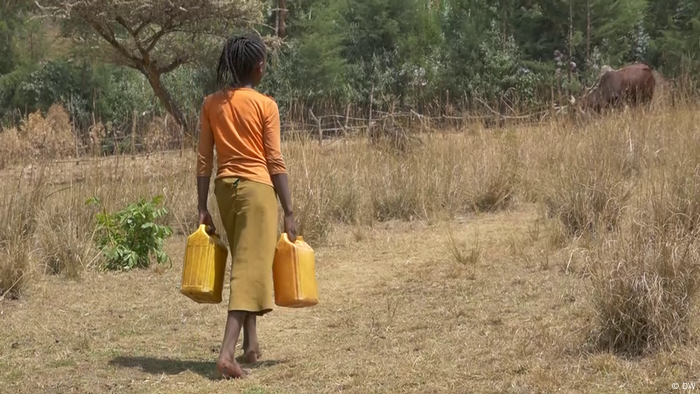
[244, 126]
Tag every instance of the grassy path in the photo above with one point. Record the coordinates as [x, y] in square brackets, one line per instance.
[398, 313]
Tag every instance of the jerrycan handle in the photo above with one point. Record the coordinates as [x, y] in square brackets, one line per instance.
[286, 238]
[203, 228]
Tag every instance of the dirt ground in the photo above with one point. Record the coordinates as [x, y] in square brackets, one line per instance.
[398, 314]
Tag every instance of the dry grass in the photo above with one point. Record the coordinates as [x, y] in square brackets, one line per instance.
[65, 241]
[39, 138]
[393, 318]
[49, 137]
[447, 177]
[13, 148]
[157, 136]
[644, 285]
[587, 180]
[14, 267]
[465, 256]
[406, 306]
[646, 276]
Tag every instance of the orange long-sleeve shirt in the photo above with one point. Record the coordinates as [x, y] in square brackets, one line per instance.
[244, 126]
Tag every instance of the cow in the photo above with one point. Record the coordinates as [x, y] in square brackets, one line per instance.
[631, 85]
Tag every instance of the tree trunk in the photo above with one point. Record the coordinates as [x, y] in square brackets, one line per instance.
[167, 100]
[504, 22]
[281, 14]
[588, 31]
[571, 42]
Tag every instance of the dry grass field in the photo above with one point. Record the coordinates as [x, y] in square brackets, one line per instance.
[558, 258]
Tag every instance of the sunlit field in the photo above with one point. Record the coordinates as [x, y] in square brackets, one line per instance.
[561, 257]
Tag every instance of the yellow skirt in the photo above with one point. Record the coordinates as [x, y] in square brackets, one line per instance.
[249, 214]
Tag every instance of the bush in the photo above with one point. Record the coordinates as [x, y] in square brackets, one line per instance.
[589, 178]
[49, 137]
[17, 224]
[14, 267]
[130, 238]
[12, 148]
[64, 243]
[643, 287]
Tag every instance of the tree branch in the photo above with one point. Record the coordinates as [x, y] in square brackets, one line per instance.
[153, 40]
[179, 61]
[115, 44]
[140, 27]
[135, 36]
[122, 22]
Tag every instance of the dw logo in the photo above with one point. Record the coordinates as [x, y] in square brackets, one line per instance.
[684, 386]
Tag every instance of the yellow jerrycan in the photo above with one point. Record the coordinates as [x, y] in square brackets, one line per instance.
[204, 267]
[294, 274]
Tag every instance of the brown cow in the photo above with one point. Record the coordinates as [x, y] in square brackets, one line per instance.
[631, 85]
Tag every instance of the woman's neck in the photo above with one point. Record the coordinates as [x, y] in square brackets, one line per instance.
[244, 84]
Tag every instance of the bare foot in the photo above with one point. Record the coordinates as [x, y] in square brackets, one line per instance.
[250, 356]
[230, 370]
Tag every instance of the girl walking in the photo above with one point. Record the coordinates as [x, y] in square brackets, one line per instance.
[244, 126]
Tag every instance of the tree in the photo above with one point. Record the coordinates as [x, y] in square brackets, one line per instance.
[154, 37]
[675, 35]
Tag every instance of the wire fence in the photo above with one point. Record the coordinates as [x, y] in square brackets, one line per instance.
[162, 135]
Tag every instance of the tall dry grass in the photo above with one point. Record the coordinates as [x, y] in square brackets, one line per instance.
[17, 225]
[627, 182]
[644, 284]
[646, 276]
[47, 228]
[13, 148]
[585, 177]
[38, 138]
[355, 182]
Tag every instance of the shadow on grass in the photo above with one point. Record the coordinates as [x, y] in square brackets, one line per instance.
[159, 366]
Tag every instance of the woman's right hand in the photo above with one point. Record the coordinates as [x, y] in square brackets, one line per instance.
[206, 219]
[290, 227]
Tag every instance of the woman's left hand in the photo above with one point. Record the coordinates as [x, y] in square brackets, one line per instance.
[206, 219]
[290, 227]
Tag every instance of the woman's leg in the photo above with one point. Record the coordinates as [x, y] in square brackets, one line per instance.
[251, 226]
[251, 345]
[227, 365]
[225, 191]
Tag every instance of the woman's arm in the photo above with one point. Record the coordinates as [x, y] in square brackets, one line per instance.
[205, 163]
[202, 196]
[277, 168]
[281, 184]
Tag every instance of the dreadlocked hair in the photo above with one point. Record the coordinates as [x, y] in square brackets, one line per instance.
[238, 59]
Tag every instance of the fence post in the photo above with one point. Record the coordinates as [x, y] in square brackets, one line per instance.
[319, 125]
[347, 119]
[75, 130]
[369, 120]
[133, 132]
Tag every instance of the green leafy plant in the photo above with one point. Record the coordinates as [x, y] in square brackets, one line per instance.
[131, 238]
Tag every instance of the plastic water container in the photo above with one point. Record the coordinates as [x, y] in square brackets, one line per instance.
[204, 267]
[294, 274]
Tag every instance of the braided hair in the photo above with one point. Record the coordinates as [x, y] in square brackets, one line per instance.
[240, 56]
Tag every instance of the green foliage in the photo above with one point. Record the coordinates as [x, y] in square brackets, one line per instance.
[131, 238]
[409, 53]
[110, 93]
[677, 37]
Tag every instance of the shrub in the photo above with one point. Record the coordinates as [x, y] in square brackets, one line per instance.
[643, 287]
[49, 137]
[587, 182]
[14, 267]
[64, 245]
[12, 148]
[495, 177]
[130, 238]
[674, 200]
[17, 224]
